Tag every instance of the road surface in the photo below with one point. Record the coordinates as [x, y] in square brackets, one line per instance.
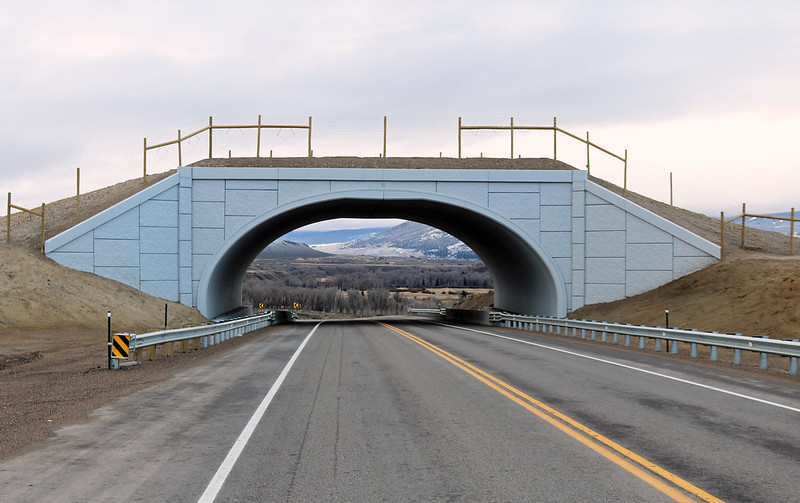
[409, 410]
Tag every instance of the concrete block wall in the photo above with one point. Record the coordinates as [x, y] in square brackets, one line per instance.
[134, 242]
[603, 246]
[630, 250]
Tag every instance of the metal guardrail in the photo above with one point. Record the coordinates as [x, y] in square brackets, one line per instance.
[737, 342]
[207, 335]
[211, 334]
[591, 329]
[427, 312]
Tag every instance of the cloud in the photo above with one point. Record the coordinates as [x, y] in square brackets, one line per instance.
[709, 80]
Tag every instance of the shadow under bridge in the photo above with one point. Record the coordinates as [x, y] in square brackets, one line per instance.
[525, 279]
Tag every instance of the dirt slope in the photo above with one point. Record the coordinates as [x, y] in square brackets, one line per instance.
[38, 294]
[752, 294]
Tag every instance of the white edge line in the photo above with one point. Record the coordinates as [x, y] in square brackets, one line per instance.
[629, 367]
[238, 446]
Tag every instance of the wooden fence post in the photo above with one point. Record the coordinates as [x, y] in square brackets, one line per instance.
[555, 135]
[8, 220]
[459, 137]
[791, 233]
[625, 175]
[512, 137]
[258, 137]
[588, 169]
[42, 227]
[144, 161]
[78, 196]
[671, 205]
[180, 160]
[722, 235]
[310, 152]
[210, 135]
[384, 137]
[744, 214]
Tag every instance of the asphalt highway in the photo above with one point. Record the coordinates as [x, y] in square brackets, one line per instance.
[409, 410]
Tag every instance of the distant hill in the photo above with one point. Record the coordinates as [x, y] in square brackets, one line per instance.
[336, 236]
[288, 250]
[409, 239]
[768, 224]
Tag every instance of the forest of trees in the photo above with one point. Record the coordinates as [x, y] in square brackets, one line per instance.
[353, 288]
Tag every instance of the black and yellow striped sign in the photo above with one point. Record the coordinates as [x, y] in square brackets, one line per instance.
[121, 345]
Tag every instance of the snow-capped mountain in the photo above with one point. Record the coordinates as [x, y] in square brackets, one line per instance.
[769, 224]
[409, 239]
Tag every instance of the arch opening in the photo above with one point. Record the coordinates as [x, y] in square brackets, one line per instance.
[525, 279]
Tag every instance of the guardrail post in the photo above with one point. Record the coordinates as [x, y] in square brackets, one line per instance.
[694, 350]
[674, 347]
[627, 341]
[657, 347]
[151, 353]
[642, 342]
[737, 356]
[603, 336]
[185, 346]
[615, 338]
[714, 353]
[764, 361]
[137, 355]
[169, 348]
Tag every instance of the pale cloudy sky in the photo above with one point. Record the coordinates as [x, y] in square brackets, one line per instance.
[708, 90]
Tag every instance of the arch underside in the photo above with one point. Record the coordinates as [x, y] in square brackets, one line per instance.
[525, 280]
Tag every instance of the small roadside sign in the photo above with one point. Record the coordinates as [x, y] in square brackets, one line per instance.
[121, 345]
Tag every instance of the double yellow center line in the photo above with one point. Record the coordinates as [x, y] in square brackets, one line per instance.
[645, 470]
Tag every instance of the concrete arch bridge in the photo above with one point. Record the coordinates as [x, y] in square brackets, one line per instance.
[552, 240]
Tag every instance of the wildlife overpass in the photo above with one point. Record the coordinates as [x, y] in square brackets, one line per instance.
[552, 240]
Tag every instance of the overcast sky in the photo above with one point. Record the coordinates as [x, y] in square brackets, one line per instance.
[708, 90]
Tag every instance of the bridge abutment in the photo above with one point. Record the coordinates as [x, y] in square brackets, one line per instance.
[553, 240]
